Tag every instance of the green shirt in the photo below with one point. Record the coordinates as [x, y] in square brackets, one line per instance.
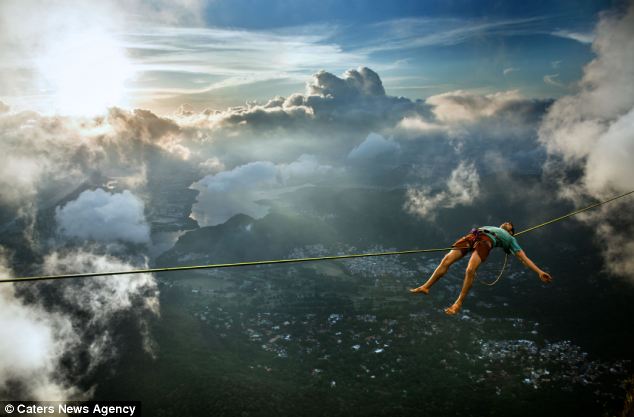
[502, 239]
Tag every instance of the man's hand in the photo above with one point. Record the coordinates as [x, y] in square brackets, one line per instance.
[545, 277]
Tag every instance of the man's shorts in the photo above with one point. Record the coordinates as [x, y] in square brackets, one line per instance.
[481, 243]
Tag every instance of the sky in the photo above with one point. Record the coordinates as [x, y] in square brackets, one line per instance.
[159, 55]
[451, 103]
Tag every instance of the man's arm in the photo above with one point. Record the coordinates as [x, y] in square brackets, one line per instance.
[544, 276]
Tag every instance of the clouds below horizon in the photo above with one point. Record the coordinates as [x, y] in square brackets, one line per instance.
[373, 147]
[47, 350]
[33, 341]
[461, 188]
[464, 106]
[241, 189]
[66, 333]
[102, 216]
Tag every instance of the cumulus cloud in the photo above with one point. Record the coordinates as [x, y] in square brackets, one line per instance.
[327, 120]
[339, 115]
[146, 127]
[373, 147]
[354, 83]
[349, 108]
[358, 98]
[36, 149]
[32, 342]
[464, 106]
[413, 127]
[213, 165]
[103, 216]
[31, 346]
[461, 188]
[240, 190]
[53, 335]
[43, 156]
[593, 131]
[46, 349]
[102, 297]
[472, 122]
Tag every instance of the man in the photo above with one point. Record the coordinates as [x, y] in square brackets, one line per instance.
[480, 241]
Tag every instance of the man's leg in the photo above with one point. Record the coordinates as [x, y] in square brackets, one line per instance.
[441, 270]
[472, 267]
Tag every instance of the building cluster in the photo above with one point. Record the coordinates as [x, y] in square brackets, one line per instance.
[377, 343]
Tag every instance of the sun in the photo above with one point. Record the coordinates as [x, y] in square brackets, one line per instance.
[85, 73]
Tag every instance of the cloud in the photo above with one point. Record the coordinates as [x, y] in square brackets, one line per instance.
[356, 97]
[373, 147]
[96, 305]
[462, 187]
[240, 190]
[32, 343]
[231, 192]
[39, 150]
[39, 153]
[509, 70]
[147, 127]
[47, 348]
[586, 38]
[35, 150]
[361, 82]
[551, 79]
[410, 33]
[169, 12]
[463, 106]
[417, 126]
[44, 158]
[223, 57]
[213, 165]
[141, 124]
[348, 107]
[4, 108]
[102, 297]
[609, 165]
[102, 216]
[592, 132]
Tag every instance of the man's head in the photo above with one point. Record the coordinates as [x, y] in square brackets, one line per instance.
[508, 226]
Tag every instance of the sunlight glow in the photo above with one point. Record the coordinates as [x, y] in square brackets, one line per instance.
[86, 73]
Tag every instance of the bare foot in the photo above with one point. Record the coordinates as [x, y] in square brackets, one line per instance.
[452, 310]
[422, 289]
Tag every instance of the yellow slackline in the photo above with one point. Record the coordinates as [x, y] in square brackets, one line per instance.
[296, 260]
